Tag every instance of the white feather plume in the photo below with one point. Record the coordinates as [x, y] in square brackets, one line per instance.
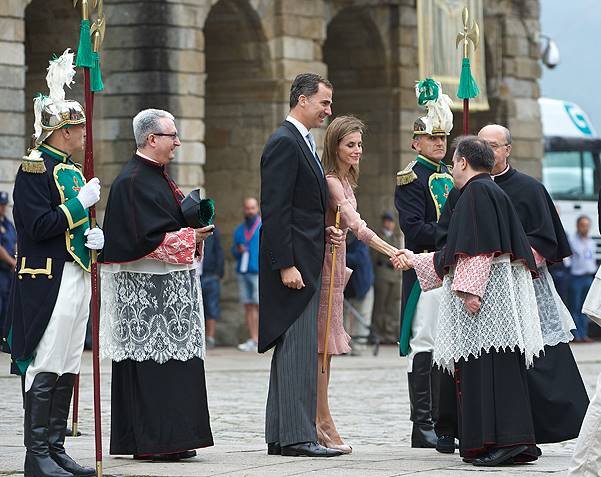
[60, 74]
[38, 106]
[439, 114]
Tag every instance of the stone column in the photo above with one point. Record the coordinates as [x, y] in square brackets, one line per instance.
[520, 87]
[12, 90]
[152, 57]
[513, 71]
[298, 33]
[407, 69]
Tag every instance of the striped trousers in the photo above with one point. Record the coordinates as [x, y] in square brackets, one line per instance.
[292, 399]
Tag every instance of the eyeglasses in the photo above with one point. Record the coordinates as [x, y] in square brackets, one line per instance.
[172, 135]
[497, 146]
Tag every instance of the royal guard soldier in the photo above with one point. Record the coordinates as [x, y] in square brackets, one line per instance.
[50, 300]
[422, 189]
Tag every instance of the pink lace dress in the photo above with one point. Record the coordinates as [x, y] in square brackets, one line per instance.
[340, 193]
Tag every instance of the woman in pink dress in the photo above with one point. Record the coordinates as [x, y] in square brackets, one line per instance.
[342, 151]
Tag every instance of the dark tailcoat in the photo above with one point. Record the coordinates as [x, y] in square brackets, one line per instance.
[293, 205]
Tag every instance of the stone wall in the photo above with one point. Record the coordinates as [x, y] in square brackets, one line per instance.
[12, 90]
[224, 68]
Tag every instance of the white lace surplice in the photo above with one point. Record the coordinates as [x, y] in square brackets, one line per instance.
[555, 319]
[151, 310]
[508, 317]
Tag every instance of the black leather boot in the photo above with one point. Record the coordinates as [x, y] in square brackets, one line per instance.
[38, 400]
[59, 413]
[420, 397]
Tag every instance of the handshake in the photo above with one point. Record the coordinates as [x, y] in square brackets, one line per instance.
[402, 259]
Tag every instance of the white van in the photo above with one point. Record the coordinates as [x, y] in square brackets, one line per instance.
[571, 165]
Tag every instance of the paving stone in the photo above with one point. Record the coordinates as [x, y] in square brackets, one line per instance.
[369, 402]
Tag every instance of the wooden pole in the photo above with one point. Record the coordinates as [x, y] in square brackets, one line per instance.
[75, 419]
[466, 116]
[95, 305]
[330, 293]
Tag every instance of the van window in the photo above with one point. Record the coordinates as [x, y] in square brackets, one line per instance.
[570, 175]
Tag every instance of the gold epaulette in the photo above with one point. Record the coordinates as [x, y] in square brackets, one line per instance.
[406, 176]
[33, 163]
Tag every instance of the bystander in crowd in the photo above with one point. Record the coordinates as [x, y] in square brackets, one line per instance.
[246, 252]
[8, 249]
[360, 293]
[583, 267]
[387, 286]
[211, 274]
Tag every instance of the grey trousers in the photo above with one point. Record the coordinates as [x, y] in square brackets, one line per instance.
[292, 399]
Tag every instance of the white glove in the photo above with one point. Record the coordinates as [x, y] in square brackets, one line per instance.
[89, 194]
[95, 238]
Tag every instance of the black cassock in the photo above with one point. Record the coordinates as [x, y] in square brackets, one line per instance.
[493, 400]
[557, 393]
[155, 408]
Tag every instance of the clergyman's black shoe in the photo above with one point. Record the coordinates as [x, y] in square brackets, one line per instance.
[498, 456]
[309, 449]
[446, 444]
[172, 457]
[274, 448]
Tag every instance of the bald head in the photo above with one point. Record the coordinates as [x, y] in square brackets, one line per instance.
[499, 138]
[251, 207]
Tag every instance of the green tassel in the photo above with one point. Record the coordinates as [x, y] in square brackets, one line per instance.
[84, 50]
[467, 84]
[96, 83]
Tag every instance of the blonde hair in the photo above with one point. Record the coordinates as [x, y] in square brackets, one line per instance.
[338, 129]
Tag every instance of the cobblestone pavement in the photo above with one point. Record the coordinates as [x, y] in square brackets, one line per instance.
[369, 401]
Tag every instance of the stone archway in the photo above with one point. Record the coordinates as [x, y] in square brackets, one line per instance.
[50, 28]
[240, 111]
[358, 68]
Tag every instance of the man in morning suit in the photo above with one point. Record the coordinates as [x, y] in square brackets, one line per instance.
[292, 246]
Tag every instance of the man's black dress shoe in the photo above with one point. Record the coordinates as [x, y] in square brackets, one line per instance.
[274, 448]
[446, 444]
[309, 449]
[500, 456]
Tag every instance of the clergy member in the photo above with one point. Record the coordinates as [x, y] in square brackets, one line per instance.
[151, 313]
[488, 329]
[554, 383]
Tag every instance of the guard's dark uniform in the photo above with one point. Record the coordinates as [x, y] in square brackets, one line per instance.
[50, 297]
[51, 223]
[422, 189]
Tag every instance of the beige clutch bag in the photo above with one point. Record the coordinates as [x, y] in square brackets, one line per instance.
[347, 275]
